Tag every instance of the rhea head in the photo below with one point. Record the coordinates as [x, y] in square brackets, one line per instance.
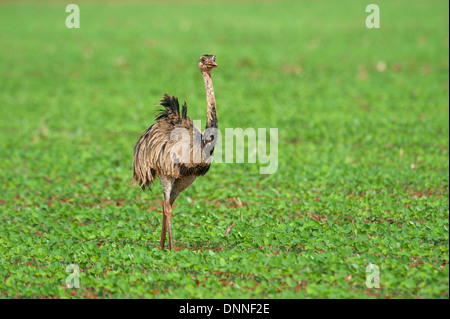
[207, 62]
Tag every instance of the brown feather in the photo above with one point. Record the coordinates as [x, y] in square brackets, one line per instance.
[152, 153]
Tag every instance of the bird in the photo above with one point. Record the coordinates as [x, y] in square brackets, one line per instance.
[175, 150]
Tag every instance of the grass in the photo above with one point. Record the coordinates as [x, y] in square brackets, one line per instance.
[362, 118]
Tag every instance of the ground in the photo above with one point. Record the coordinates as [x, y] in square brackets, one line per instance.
[363, 175]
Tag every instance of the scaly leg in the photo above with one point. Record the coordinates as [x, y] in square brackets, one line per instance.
[163, 230]
[167, 183]
[168, 223]
[178, 186]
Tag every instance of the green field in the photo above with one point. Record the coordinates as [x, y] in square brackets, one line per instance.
[363, 130]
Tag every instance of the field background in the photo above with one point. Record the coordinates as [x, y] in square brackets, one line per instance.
[362, 118]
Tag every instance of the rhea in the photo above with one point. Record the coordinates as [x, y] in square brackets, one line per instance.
[161, 152]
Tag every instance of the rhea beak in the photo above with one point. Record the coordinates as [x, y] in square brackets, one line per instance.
[212, 64]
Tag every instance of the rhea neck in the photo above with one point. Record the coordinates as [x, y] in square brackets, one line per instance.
[211, 116]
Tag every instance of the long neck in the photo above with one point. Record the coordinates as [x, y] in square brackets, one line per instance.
[211, 120]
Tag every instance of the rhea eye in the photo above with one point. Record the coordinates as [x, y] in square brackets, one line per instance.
[203, 59]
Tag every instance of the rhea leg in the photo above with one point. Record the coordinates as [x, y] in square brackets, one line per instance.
[163, 231]
[167, 209]
[167, 183]
[180, 185]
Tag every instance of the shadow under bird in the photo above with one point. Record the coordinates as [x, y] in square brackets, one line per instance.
[157, 153]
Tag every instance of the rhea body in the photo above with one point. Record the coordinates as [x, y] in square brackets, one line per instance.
[175, 160]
